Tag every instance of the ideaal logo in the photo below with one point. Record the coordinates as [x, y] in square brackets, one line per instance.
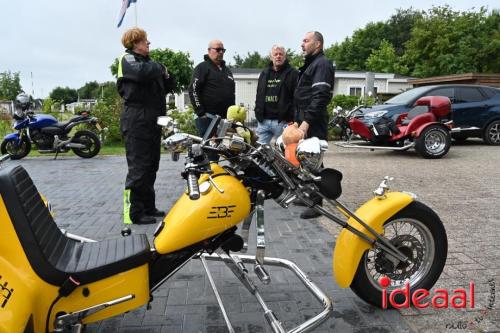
[459, 299]
[440, 299]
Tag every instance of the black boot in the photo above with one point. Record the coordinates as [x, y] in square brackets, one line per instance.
[309, 213]
[155, 212]
[144, 219]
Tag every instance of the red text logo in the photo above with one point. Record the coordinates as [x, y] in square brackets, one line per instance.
[423, 298]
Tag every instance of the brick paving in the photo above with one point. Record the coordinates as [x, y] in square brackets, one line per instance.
[463, 188]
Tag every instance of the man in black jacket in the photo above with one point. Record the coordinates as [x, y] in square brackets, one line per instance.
[143, 85]
[274, 100]
[212, 86]
[314, 92]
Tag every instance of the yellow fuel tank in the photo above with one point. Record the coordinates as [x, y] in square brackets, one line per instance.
[219, 208]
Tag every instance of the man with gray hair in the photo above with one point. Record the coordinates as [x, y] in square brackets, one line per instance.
[274, 100]
[314, 92]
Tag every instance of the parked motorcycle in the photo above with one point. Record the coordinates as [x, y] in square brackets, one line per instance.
[53, 281]
[49, 135]
[426, 128]
[341, 119]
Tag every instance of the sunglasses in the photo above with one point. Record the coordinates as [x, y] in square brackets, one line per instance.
[219, 49]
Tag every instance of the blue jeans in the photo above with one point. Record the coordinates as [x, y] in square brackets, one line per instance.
[202, 124]
[268, 129]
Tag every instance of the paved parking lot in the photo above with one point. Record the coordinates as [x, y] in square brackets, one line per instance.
[463, 188]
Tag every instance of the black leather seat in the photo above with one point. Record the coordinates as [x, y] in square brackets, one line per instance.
[52, 255]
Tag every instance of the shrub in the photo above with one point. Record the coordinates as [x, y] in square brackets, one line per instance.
[185, 120]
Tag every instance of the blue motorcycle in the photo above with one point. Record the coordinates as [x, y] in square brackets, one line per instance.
[47, 134]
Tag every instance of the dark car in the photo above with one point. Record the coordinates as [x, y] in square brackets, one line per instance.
[475, 109]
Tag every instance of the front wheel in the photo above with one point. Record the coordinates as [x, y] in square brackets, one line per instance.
[90, 141]
[433, 142]
[492, 133]
[418, 233]
[16, 151]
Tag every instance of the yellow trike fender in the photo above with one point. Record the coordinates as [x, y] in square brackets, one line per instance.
[349, 248]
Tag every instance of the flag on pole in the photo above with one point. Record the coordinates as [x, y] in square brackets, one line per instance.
[123, 10]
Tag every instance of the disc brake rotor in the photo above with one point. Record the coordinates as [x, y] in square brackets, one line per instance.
[410, 247]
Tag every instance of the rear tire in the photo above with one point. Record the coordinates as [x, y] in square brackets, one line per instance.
[91, 142]
[433, 142]
[492, 133]
[16, 153]
[419, 233]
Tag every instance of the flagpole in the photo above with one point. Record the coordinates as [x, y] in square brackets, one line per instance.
[135, 10]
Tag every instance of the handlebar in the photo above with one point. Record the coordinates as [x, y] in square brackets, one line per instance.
[192, 185]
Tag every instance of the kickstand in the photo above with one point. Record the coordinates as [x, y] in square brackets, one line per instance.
[57, 153]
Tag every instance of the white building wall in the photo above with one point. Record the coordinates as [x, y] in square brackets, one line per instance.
[246, 89]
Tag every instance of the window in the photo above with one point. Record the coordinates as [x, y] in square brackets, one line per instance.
[447, 92]
[468, 95]
[355, 91]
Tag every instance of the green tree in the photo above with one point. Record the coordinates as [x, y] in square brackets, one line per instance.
[353, 52]
[385, 60]
[399, 27]
[91, 90]
[445, 42]
[179, 65]
[251, 60]
[64, 95]
[10, 85]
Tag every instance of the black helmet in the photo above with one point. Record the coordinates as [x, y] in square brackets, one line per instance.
[23, 101]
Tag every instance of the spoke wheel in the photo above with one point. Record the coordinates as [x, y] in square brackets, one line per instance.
[419, 234]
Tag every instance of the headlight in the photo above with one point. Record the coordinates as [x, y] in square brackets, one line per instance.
[375, 114]
[279, 144]
[310, 153]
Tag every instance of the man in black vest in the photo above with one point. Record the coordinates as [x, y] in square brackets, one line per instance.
[314, 92]
[274, 100]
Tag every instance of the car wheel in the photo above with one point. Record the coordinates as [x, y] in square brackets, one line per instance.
[433, 142]
[492, 133]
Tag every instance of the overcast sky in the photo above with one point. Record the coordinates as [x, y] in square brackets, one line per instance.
[68, 43]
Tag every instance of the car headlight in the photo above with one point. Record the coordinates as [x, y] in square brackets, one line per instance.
[375, 114]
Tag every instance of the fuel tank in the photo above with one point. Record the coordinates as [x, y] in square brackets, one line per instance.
[219, 208]
[42, 120]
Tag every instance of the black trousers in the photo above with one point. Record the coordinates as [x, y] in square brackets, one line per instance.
[143, 160]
